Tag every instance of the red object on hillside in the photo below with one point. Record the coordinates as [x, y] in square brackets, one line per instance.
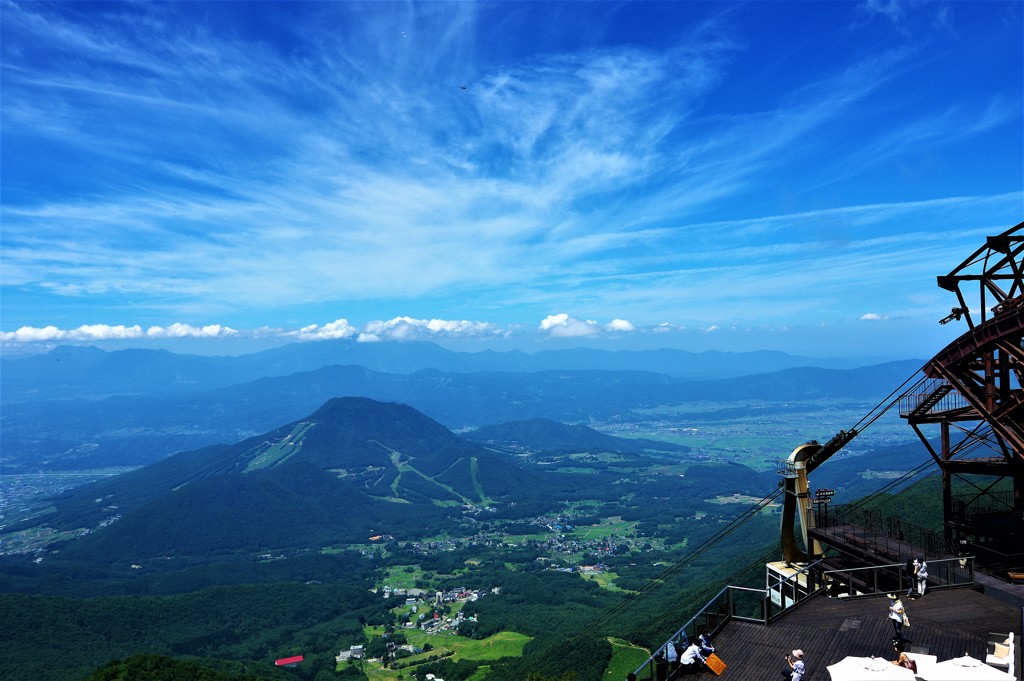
[289, 661]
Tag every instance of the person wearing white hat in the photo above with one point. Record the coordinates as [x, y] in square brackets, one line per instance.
[795, 660]
[897, 615]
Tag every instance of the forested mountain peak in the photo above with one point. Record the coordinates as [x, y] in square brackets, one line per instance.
[355, 466]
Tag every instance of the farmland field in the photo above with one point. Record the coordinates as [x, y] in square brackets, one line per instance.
[503, 644]
[625, 658]
[757, 434]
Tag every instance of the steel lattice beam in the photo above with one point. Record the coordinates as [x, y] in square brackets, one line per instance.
[984, 367]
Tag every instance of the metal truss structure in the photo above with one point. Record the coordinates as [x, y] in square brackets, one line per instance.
[972, 395]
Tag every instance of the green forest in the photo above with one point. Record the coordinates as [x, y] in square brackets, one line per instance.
[231, 615]
[62, 637]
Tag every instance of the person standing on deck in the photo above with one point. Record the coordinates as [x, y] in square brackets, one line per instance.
[896, 613]
[672, 656]
[795, 660]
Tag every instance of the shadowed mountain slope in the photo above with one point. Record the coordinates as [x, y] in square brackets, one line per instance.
[352, 469]
[546, 435]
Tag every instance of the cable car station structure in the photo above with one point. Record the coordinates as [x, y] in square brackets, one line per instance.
[973, 396]
[966, 405]
[967, 408]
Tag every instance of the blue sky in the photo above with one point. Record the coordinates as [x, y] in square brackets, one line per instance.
[763, 175]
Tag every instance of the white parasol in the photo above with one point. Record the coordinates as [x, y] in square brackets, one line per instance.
[964, 668]
[868, 669]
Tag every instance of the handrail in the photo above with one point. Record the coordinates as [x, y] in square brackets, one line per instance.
[749, 604]
[730, 604]
[886, 536]
[931, 396]
[873, 580]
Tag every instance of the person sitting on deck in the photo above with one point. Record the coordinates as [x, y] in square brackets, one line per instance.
[704, 641]
[691, 660]
[902, 659]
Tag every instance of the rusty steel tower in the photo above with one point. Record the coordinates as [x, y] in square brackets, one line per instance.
[969, 409]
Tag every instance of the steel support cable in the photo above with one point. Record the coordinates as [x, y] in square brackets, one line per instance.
[889, 401]
[701, 597]
[712, 541]
[960, 454]
[870, 500]
[885, 489]
[658, 581]
[969, 482]
[889, 486]
[976, 440]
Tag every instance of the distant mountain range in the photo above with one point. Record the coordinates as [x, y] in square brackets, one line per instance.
[137, 429]
[78, 408]
[88, 372]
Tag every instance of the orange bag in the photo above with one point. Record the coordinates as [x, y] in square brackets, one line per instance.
[715, 664]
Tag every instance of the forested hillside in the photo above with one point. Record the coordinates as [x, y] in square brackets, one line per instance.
[570, 536]
[55, 639]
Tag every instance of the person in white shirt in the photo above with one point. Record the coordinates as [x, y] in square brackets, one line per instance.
[795, 660]
[922, 577]
[691, 661]
[896, 613]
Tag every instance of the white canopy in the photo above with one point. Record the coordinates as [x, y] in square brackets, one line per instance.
[868, 669]
[964, 668]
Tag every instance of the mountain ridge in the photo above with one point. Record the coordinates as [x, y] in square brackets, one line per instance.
[547, 435]
[123, 430]
[89, 372]
[352, 469]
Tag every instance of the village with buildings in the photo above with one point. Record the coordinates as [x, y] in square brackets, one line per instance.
[425, 613]
[429, 612]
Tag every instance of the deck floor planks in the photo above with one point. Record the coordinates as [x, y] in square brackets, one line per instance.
[944, 623]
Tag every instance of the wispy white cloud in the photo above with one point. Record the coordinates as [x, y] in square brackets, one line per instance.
[340, 328]
[893, 10]
[554, 135]
[226, 175]
[408, 328]
[908, 16]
